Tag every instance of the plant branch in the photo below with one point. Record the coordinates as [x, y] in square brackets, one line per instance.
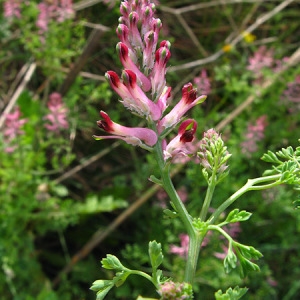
[249, 186]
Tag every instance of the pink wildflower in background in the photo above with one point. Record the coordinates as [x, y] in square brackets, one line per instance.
[254, 134]
[65, 10]
[58, 114]
[58, 10]
[202, 82]
[291, 96]
[12, 129]
[262, 58]
[183, 249]
[12, 9]
[43, 17]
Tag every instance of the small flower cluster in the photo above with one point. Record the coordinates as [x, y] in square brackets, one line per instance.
[183, 249]
[175, 291]
[203, 83]
[58, 114]
[144, 74]
[58, 10]
[291, 96]
[213, 156]
[13, 129]
[12, 9]
[254, 134]
[263, 59]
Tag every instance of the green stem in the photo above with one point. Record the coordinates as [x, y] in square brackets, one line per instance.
[207, 201]
[249, 186]
[195, 238]
[212, 182]
[145, 275]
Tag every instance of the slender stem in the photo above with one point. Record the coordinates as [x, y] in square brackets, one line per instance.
[167, 183]
[194, 236]
[207, 201]
[212, 182]
[136, 272]
[249, 186]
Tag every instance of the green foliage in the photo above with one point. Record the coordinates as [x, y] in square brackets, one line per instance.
[40, 211]
[237, 216]
[111, 262]
[231, 294]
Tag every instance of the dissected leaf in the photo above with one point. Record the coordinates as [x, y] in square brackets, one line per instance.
[111, 262]
[231, 294]
[102, 287]
[155, 254]
[237, 216]
[230, 261]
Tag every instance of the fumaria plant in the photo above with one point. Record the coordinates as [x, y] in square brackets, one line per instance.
[143, 90]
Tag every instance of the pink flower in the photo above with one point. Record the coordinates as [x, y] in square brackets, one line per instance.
[12, 9]
[183, 249]
[144, 75]
[12, 129]
[58, 114]
[177, 146]
[64, 10]
[57, 10]
[171, 290]
[141, 30]
[202, 82]
[189, 99]
[158, 74]
[43, 17]
[132, 95]
[131, 135]
[262, 58]
[127, 62]
[291, 96]
[254, 134]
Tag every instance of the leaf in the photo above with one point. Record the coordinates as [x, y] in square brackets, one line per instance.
[102, 287]
[231, 294]
[94, 205]
[154, 179]
[111, 262]
[170, 214]
[155, 254]
[286, 153]
[249, 252]
[121, 277]
[246, 266]
[230, 261]
[237, 216]
[271, 157]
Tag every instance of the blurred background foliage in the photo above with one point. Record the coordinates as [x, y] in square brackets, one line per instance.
[67, 200]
